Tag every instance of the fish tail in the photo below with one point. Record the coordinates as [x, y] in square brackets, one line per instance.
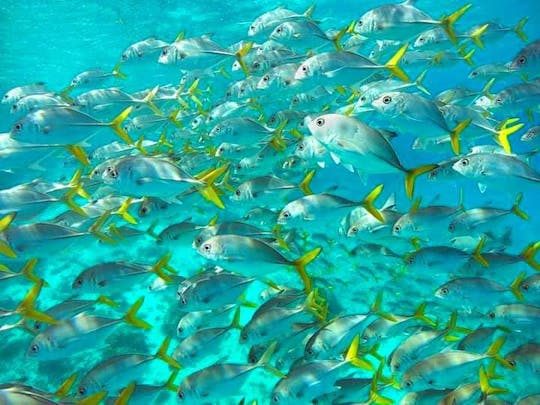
[528, 255]
[501, 136]
[369, 199]
[65, 387]
[455, 134]
[316, 305]
[169, 384]
[477, 254]
[420, 315]
[516, 209]
[518, 29]
[476, 35]
[131, 318]
[240, 57]
[125, 395]
[64, 94]
[305, 183]
[452, 327]
[67, 198]
[412, 174]
[27, 310]
[245, 303]
[301, 263]
[210, 192]
[123, 211]
[419, 83]
[151, 231]
[276, 231]
[264, 361]
[117, 73]
[162, 354]
[28, 272]
[79, 154]
[485, 386]
[116, 125]
[96, 227]
[149, 103]
[97, 398]
[278, 141]
[175, 122]
[338, 37]
[514, 287]
[467, 57]
[107, 301]
[5, 249]
[374, 396]
[157, 268]
[352, 356]
[309, 12]
[448, 22]
[493, 352]
[376, 308]
[235, 323]
[392, 64]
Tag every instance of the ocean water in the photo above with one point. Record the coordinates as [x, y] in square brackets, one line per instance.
[52, 42]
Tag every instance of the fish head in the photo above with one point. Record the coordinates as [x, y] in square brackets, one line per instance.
[211, 249]
[186, 326]
[187, 394]
[466, 166]
[282, 31]
[265, 81]
[243, 192]
[292, 213]
[368, 23]
[484, 102]
[522, 61]
[255, 28]
[444, 292]
[204, 235]
[40, 347]
[531, 134]
[222, 130]
[111, 175]
[404, 227]
[389, 103]
[407, 382]
[305, 70]
[171, 55]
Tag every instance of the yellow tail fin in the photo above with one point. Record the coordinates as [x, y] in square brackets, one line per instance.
[514, 287]
[131, 318]
[240, 57]
[125, 395]
[420, 315]
[28, 272]
[392, 64]
[94, 399]
[148, 101]
[352, 356]
[502, 134]
[477, 254]
[304, 185]
[493, 352]
[485, 387]
[117, 73]
[123, 211]
[157, 268]
[448, 22]
[528, 255]
[210, 192]
[301, 263]
[412, 174]
[456, 132]
[63, 390]
[27, 310]
[79, 154]
[107, 301]
[162, 354]
[517, 210]
[116, 125]
[475, 36]
[368, 201]
[67, 198]
[518, 29]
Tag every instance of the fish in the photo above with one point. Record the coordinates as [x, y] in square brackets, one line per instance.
[526, 60]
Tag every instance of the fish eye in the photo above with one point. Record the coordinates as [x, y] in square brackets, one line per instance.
[397, 228]
[522, 60]
[301, 146]
[237, 192]
[181, 394]
[279, 29]
[295, 100]
[286, 214]
[207, 247]
[408, 384]
[409, 259]
[143, 211]
[451, 227]
[320, 122]
[78, 282]
[243, 336]
[309, 351]
[165, 52]
[252, 28]
[81, 391]
[34, 348]
[363, 98]
[498, 100]
[512, 363]
[525, 287]
[474, 73]
[491, 315]
[397, 366]
[304, 68]
[266, 78]
[18, 126]
[354, 229]
[464, 162]
[217, 129]
[183, 300]
[275, 398]
[387, 99]
[256, 65]
[359, 23]
[114, 173]
[421, 39]
[444, 291]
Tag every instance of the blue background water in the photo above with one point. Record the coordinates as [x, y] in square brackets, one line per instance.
[53, 41]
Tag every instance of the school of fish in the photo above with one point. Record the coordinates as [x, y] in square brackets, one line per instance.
[287, 219]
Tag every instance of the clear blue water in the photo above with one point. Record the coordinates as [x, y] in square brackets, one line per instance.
[51, 42]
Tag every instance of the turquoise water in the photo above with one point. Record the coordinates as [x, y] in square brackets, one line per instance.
[52, 42]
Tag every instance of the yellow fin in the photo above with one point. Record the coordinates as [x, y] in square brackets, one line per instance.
[352, 356]
[304, 185]
[63, 390]
[392, 64]
[27, 310]
[117, 73]
[79, 154]
[94, 399]
[448, 22]
[477, 254]
[301, 263]
[528, 255]
[456, 132]
[116, 125]
[125, 395]
[477, 33]
[162, 354]
[411, 176]
[502, 134]
[518, 29]
[516, 209]
[368, 201]
[131, 319]
[123, 211]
